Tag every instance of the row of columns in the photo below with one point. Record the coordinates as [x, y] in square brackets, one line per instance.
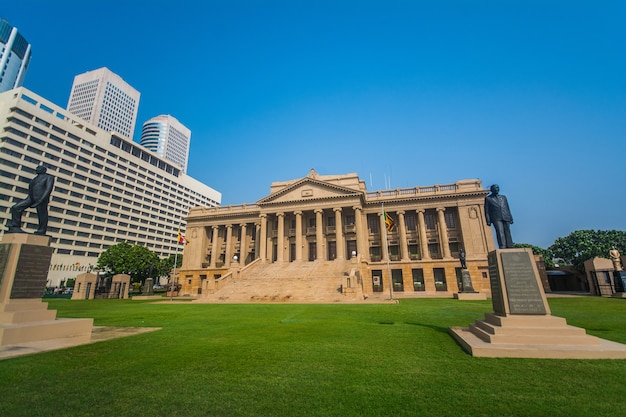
[262, 230]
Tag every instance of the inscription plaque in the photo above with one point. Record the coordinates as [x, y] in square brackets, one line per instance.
[31, 272]
[523, 292]
[494, 280]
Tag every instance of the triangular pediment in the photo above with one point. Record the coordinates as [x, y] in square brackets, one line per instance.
[309, 189]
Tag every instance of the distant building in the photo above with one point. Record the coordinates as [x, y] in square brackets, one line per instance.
[105, 100]
[108, 189]
[168, 138]
[14, 57]
[324, 226]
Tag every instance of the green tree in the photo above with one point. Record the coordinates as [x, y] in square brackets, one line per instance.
[167, 264]
[135, 260]
[545, 253]
[581, 245]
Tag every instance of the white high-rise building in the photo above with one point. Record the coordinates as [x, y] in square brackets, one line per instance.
[14, 57]
[105, 100]
[108, 189]
[168, 138]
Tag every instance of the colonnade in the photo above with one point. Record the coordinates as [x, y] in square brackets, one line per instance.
[274, 241]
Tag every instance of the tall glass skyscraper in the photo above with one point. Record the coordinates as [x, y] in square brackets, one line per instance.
[168, 138]
[14, 57]
[104, 99]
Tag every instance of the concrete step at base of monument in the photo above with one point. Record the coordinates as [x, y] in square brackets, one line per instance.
[25, 316]
[14, 334]
[532, 336]
[564, 330]
[523, 320]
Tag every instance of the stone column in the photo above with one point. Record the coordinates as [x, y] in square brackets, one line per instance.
[298, 235]
[404, 248]
[339, 234]
[383, 237]
[423, 237]
[360, 233]
[443, 233]
[243, 246]
[257, 239]
[263, 238]
[280, 241]
[229, 245]
[214, 246]
[319, 234]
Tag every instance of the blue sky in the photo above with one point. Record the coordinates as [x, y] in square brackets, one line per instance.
[527, 94]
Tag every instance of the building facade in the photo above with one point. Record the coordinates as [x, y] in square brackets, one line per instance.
[168, 138]
[334, 218]
[108, 189]
[105, 100]
[14, 57]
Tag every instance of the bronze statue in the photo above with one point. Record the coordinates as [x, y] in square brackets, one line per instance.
[462, 258]
[497, 212]
[39, 190]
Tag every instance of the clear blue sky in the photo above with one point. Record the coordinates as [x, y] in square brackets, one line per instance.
[528, 94]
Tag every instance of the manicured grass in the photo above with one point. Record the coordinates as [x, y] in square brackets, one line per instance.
[310, 360]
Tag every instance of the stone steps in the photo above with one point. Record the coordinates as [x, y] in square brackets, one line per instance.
[307, 282]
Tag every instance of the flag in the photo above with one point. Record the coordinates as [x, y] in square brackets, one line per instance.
[182, 239]
[389, 221]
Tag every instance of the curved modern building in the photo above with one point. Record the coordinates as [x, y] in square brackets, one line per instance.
[168, 138]
[14, 57]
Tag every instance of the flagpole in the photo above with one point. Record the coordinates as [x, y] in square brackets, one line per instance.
[175, 262]
[387, 255]
[174, 275]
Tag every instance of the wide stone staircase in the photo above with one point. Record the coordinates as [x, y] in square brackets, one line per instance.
[304, 282]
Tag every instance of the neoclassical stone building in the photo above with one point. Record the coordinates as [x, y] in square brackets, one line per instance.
[335, 223]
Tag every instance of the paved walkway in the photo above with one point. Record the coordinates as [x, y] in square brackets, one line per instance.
[98, 334]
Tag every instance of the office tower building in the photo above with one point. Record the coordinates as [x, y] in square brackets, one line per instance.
[108, 189]
[105, 100]
[14, 57]
[168, 138]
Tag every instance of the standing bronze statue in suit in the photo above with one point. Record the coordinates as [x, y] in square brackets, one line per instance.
[497, 212]
[39, 191]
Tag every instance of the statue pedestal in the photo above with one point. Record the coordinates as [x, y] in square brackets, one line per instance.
[25, 320]
[468, 292]
[521, 325]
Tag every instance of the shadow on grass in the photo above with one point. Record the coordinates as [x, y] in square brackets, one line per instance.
[429, 326]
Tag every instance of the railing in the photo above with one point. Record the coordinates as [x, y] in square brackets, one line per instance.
[431, 189]
[224, 209]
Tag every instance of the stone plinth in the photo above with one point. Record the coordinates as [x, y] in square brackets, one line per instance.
[469, 296]
[521, 325]
[467, 291]
[24, 318]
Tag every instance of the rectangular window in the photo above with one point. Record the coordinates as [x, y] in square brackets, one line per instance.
[450, 220]
[429, 219]
[418, 279]
[410, 222]
[440, 279]
[398, 281]
[373, 222]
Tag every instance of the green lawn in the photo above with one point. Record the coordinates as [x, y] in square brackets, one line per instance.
[310, 360]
